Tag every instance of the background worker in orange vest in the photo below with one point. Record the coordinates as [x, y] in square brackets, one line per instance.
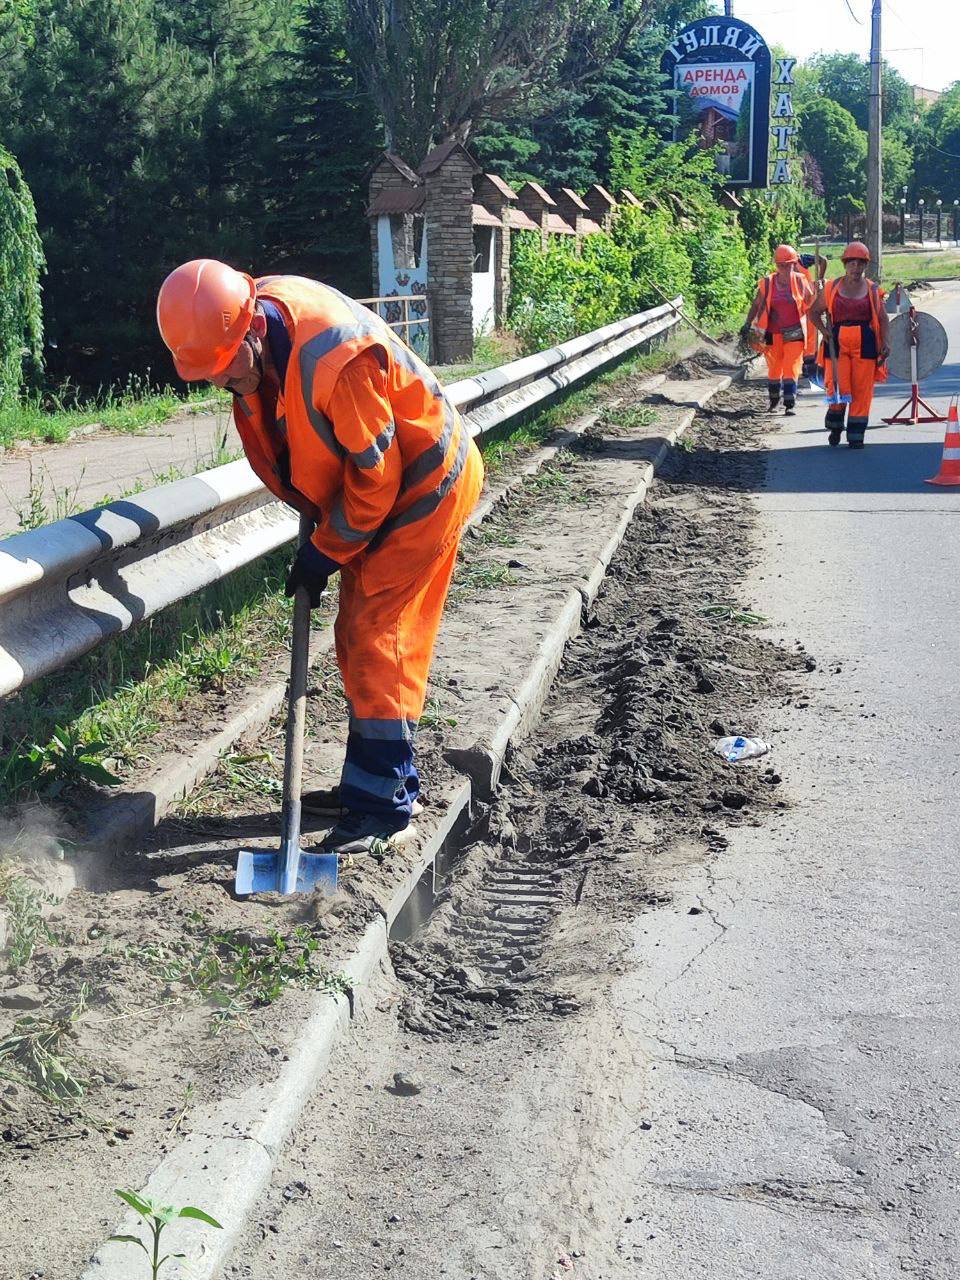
[342, 421]
[807, 262]
[850, 312]
[777, 325]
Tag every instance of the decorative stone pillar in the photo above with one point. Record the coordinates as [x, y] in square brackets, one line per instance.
[499, 197]
[602, 206]
[573, 211]
[448, 173]
[538, 206]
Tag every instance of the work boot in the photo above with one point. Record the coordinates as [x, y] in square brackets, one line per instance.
[855, 442]
[365, 833]
[774, 401]
[789, 407]
[834, 437]
[325, 802]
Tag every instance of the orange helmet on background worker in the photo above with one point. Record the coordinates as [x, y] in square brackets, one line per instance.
[856, 251]
[784, 254]
[203, 312]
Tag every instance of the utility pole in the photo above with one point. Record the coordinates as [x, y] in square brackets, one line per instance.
[875, 150]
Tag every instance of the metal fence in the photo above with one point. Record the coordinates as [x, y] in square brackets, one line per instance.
[407, 315]
[69, 586]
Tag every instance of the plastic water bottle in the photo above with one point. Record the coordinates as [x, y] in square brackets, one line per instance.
[735, 749]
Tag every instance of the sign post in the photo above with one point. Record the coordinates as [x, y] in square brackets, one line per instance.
[720, 72]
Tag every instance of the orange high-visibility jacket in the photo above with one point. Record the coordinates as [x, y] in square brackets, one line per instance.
[392, 493]
[804, 295]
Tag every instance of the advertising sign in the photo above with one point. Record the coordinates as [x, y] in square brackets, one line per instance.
[720, 73]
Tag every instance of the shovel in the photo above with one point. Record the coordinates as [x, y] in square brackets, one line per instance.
[834, 397]
[291, 870]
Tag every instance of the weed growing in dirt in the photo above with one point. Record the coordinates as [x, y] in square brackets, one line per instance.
[36, 1054]
[434, 716]
[69, 757]
[26, 925]
[236, 973]
[628, 417]
[237, 776]
[730, 611]
[557, 479]
[156, 1217]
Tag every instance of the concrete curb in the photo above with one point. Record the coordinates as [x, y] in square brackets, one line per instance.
[225, 1164]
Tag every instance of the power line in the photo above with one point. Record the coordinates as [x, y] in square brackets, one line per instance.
[852, 14]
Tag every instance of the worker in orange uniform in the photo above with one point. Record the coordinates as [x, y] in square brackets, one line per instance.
[850, 313]
[342, 421]
[777, 325]
[811, 349]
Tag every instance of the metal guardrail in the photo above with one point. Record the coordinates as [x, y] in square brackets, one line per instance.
[69, 586]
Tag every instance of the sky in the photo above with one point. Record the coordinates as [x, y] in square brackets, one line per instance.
[921, 38]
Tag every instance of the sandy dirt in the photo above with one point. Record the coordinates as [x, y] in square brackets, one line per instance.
[473, 1127]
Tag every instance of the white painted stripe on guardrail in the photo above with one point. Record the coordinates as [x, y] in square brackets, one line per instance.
[67, 587]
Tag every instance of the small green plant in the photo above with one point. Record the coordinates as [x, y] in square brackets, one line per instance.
[434, 716]
[26, 924]
[730, 611]
[237, 974]
[34, 1053]
[67, 758]
[156, 1217]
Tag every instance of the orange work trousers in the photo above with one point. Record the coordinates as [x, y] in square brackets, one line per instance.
[857, 376]
[784, 361]
[385, 642]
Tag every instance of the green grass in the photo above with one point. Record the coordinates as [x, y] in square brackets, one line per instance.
[112, 703]
[51, 416]
[901, 267]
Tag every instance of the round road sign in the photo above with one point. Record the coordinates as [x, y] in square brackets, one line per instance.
[931, 345]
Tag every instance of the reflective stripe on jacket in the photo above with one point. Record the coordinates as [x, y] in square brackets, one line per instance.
[394, 490]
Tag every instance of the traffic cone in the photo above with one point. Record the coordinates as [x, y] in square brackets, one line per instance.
[949, 473]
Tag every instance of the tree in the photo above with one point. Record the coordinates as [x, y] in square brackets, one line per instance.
[830, 134]
[86, 104]
[938, 148]
[566, 139]
[327, 135]
[845, 78]
[21, 263]
[435, 68]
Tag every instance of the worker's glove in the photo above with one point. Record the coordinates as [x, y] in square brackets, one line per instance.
[746, 331]
[311, 569]
[807, 260]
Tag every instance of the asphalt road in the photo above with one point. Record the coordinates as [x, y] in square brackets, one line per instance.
[803, 1049]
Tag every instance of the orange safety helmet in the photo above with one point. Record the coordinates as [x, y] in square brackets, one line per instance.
[785, 254]
[856, 251]
[204, 310]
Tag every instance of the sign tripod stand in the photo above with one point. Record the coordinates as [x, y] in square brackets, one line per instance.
[918, 346]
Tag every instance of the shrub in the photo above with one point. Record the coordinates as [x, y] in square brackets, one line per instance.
[21, 262]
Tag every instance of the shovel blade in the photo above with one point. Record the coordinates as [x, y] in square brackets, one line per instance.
[257, 872]
[317, 871]
[265, 872]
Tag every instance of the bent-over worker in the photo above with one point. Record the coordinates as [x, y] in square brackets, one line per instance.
[342, 421]
[851, 314]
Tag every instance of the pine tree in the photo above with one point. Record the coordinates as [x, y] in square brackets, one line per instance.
[327, 136]
[91, 89]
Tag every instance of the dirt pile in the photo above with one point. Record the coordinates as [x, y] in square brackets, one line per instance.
[671, 660]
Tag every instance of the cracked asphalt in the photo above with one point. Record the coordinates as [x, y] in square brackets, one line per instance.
[805, 1054]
